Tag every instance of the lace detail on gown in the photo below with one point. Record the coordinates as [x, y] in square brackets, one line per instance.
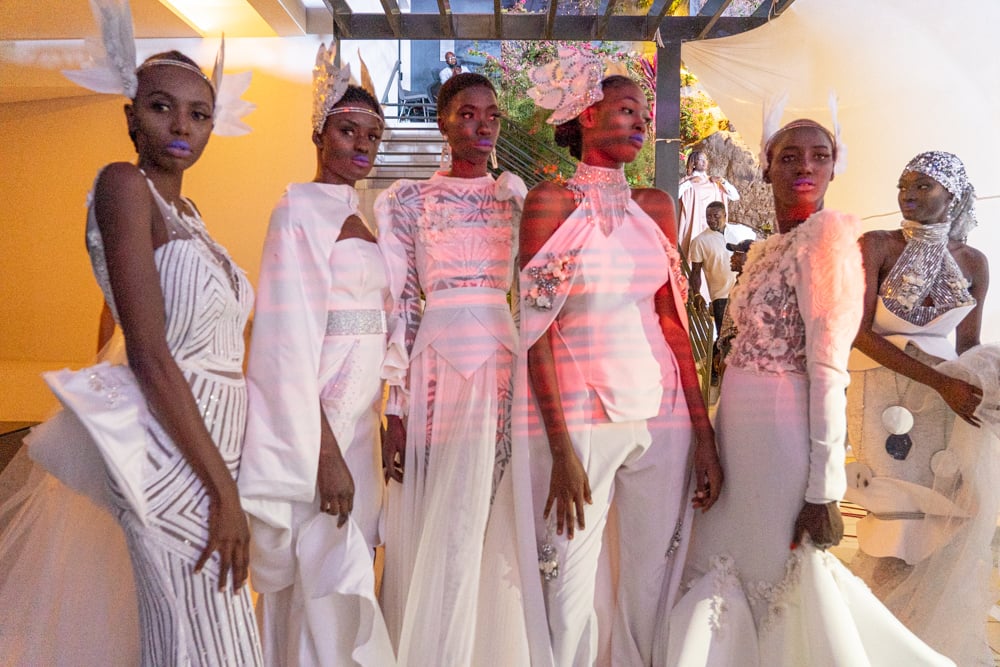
[765, 310]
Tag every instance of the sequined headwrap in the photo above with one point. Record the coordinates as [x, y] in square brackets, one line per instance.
[948, 170]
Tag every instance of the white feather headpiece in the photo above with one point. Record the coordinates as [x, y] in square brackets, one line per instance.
[772, 110]
[114, 70]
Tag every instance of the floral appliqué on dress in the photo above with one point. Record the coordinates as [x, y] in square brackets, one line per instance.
[548, 280]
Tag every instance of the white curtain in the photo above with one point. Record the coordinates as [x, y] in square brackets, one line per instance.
[911, 75]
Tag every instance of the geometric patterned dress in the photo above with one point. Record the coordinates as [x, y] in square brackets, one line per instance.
[184, 619]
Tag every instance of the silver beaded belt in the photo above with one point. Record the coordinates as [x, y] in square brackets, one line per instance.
[354, 322]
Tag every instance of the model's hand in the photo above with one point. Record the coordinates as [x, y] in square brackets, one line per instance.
[335, 486]
[963, 398]
[823, 523]
[707, 473]
[394, 448]
[569, 491]
[228, 534]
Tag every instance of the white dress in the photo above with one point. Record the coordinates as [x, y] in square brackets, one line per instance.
[694, 194]
[593, 285]
[318, 342]
[781, 426]
[932, 497]
[450, 362]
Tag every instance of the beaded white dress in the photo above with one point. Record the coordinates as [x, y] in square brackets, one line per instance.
[184, 619]
[925, 546]
[318, 344]
[449, 245]
[780, 428]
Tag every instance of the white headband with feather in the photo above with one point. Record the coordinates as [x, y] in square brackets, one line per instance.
[772, 111]
[114, 69]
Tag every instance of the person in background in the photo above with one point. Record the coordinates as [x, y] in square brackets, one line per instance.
[710, 253]
[694, 194]
[451, 67]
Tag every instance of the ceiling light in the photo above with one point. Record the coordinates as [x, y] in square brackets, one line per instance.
[211, 18]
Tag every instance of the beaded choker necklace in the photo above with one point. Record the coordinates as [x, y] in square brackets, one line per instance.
[925, 281]
[605, 193]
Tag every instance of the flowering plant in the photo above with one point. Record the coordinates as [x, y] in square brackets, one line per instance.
[549, 279]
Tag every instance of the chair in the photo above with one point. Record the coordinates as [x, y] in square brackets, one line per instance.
[413, 105]
[432, 94]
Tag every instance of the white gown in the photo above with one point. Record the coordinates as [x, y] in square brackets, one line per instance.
[445, 596]
[925, 546]
[318, 342]
[749, 600]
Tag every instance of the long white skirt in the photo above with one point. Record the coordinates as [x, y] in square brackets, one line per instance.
[67, 596]
[750, 600]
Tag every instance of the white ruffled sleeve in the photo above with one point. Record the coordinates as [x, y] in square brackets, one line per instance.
[396, 212]
[830, 292]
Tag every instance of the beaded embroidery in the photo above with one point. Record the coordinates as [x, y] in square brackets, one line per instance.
[925, 271]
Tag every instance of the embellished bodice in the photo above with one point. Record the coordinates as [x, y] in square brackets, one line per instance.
[771, 334]
[925, 282]
[447, 233]
[608, 320]
[206, 297]
[462, 232]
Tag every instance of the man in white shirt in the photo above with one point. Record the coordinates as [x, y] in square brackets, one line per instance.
[708, 252]
[451, 67]
[696, 191]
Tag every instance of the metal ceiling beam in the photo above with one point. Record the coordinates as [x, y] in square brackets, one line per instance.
[609, 11]
[391, 9]
[528, 26]
[722, 5]
[447, 21]
[342, 16]
[286, 17]
[550, 18]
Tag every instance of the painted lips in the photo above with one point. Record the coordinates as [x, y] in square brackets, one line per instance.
[361, 161]
[803, 184]
[179, 148]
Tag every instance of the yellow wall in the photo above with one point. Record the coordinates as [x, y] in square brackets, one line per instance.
[51, 151]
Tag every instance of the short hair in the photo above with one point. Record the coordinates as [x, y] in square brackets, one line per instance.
[716, 204]
[355, 95]
[457, 84]
[570, 133]
[693, 157]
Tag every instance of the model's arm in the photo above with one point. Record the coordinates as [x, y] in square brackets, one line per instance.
[125, 213]
[976, 269]
[962, 397]
[396, 213]
[707, 469]
[694, 280]
[829, 288]
[545, 208]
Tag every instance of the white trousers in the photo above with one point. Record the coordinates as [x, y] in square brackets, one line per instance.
[642, 468]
